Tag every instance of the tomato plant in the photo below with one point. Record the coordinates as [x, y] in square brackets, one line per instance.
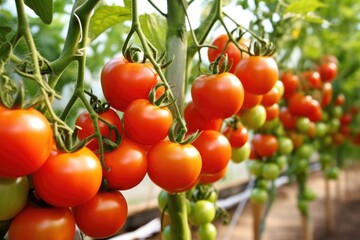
[265, 144]
[237, 137]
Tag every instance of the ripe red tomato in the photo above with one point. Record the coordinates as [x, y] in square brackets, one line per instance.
[173, 166]
[288, 120]
[265, 144]
[346, 118]
[127, 165]
[271, 97]
[328, 71]
[103, 215]
[339, 100]
[291, 83]
[123, 81]
[146, 123]
[217, 96]
[68, 179]
[312, 79]
[215, 151]
[272, 112]
[237, 137]
[251, 100]
[87, 127]
[326, 94]
[233, 53]
[299, 104]
[211, 178]
[43, 223]
[314, 111]
[27, 140]
[258, 74]
[195, 121]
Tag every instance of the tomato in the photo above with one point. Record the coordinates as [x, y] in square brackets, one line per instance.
[265, 144]
[328, 71]
[195, 121]
[43, 223]
[202, 212]
[287, 118]
[254, 118]
[103, 215]
[237, 137]
[127, 165]
[312, 130]
[340, 99]
[255, 167]
[336, 111]
[326, 94]
[13, 196]
[280, 88]
[309, 194]
[334, 125]
[303, 124]
[346, 119]
[173, 166]
[232, 52]
[321, 129]
[313, 79]
[27, 140]
[211, 178]
[162, 199]
[301, 166]
[215, 151]
[291, 83]
[304, 151]
[207, 231]
[259, 196]
[86, 125]
[146, 123]
[251, 100]
[270, 171]
[286, 146]
[271, 97]
[298, 104]
[241, 154]
[281, 161]
[314, 112]
[68, 179]
[296, 138]
[272, 112]
[303, 206]
[332, 173]
[123, 82]
[217, 96]
[258, 74]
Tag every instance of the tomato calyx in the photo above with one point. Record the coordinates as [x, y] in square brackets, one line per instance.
[263, 48]
[221, 64]
[178, 130]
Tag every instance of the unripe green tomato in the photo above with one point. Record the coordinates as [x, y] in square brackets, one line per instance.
[270, 125]
[304, 151]
[281, 161]
[325, 160]
[254, 118]
[324, 116]
[280, 87]
[166, 233]
[213, 197]
[262, 183]
[334, 125]
[241, 154]
[259, 196]
[303, 124]
[270, 171]
[302, 205]
[202, 212]
[255, 167]
[332, 173]
[309, 195]
[13, 196]
[207, 232]
[321, 129]
[301, 166]
[162, 199]
[337, 111]
[327, 141]
[286, 146]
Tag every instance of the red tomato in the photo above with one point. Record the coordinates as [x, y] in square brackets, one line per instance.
[127, 165]
[326, 94]
[87, 127]
[346, 118]
[173, 166]
[339, 100]
[211, 178]
[217, 96]
[251, 100]
[233, 53]
[328, 71]
[195, 121]
[313, 79]
[272, 112]
[296, 138]
[42, 224]
[27, 140]
[146, 123]
[237, 137]
[123, 81]
[265, 144]
[103, 215]
[215, 151]
[271, 97]
[314, 112]
[258, 74]
[68, 179]
[288, 120]
[291, 83]
[300, 104]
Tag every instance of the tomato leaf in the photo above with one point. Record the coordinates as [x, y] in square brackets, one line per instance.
[43, 8]
[304, 6]
[5, 46]
[107, 16]
[154, 27]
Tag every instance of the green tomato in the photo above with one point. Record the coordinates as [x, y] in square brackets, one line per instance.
[304, 151]
[281, 161]
[162, 199]
[259, 196]
[262, 183]
[302, 205]
[325, 160]
[301, 166]
[286, 146]
[270, 171]
[241, 154]
[13, 196]
[270, 125]
[207, 231]
[213, 197]
[303, 124]
[309, 195]
[202, 212]
[324, 116]
[337, 111]
[254, 118]
[320, 129]
[166, 233]
[334, 125]
[280, 87]
[255, 167]
[332, 173]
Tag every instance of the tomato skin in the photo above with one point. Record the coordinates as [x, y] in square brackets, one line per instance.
[207, 231]
[287, 118]
[272, 112]
[265, 144]
[339, 100]
[313, 79]
[103, 215]
[271, 97]
[237, 137]
[195, 121]
[68, 179]
[173, 166]
[127, 165]
[217, 96]
[122, 82]
[291, 83]
[251, 100]
[87, 127]
[215, 151]
[13, 197]
[326, 94]
[259, 196]
[43, 223]
[202, 212]
[328, 71]
[29, 140]
[211, 178]
[258, 74]
[146, 123]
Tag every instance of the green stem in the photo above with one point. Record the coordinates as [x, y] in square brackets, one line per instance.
[178, 217]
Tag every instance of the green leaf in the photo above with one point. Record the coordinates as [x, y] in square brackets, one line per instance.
[304, 6]
[107, 16]
[127, 3]
[314, 19]
[5, 50]
[43, 8]
[3, 33]
[154, 27]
